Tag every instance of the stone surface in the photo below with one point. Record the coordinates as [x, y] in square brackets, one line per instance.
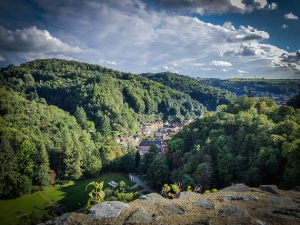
[239, 198]
[280, 213]
[185, 194]
[268, 209]
[236, 188]
[201, 222]
[150, 198]
[280, 201]
[173, 209]
[204, 203]
[107, 209]
[269, 188]
[232, 211]
[61, 220]
[258, 222]
[297, 188]
[140, 216]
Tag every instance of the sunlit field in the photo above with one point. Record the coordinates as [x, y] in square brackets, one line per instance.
[72, 194]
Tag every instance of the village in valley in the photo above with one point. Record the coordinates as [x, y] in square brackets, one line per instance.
[155, 133]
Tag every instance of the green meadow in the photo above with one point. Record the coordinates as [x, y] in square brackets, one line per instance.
[72, 194]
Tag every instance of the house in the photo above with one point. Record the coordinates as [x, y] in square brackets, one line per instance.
[146, 144]
[174, 127]
[161, 134]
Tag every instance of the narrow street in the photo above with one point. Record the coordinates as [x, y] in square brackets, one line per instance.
[141, 183]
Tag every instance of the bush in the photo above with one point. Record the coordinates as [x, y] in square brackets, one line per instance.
[189, 188]
[214, 190]
[172, 191]
[25, 185]
[207, 192]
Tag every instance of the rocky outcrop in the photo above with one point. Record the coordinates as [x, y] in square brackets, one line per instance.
[255, 206]
[236, 188]
[270, 188]
[297, 188]
[107, 209]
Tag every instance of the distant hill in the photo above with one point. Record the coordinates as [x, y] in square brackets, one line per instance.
[278, 89]
[113, 100]
[209, 96]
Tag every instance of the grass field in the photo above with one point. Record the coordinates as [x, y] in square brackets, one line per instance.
[71, 194]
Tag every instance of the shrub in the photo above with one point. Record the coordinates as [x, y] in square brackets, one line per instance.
[207, 192]
[25, 185]
[171, 191]
[189, 189]
[96, 195]
[214, 190]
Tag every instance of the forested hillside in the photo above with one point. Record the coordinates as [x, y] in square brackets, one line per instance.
[210, 96]
[279, 90]
[251, 141]
[62, 117]
[37, 138]
[114, 101]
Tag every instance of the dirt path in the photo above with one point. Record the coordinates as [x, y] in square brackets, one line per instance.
[141, 183]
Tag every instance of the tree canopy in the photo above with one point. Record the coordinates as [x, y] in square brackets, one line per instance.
[251, 141]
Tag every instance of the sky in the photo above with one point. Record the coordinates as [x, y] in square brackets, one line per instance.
[198, 38]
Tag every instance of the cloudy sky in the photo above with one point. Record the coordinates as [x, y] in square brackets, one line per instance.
[198, 38]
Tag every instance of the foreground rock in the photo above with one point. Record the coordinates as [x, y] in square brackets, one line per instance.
[232, 211]
[269, 188]
[236, 188]
[221, 208]
[107, 209]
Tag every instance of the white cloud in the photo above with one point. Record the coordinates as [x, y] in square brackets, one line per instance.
[291, 60]
[198, 64]
[207, 69]
[103, 61]
[291, 16]
[224, 70]
[141, 63]
[252, 49]
[215, 6]
[2, 59]
[129, 37]
[228, 25]
[33, 39]
[165, 67]
[246, 34]
[220, 63]
[272, 6]
[238, 3]
[284, 26]
[242, 71]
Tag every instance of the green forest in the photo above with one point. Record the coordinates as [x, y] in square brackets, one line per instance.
[278, 89]
[63, 116]
[208, 95]
[59, 120]
[252, 141]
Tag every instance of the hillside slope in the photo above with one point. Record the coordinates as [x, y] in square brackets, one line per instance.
[114, 101]
[209, 96]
